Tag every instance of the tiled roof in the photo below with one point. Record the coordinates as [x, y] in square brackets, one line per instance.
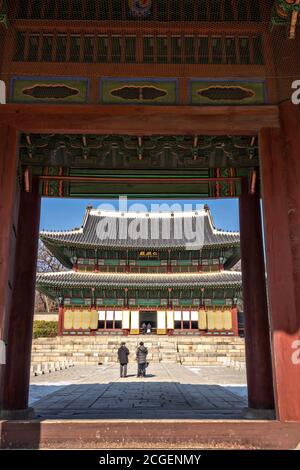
[73, 279]
[156, 230]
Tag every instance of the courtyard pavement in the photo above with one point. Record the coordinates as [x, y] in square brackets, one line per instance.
[170, 391]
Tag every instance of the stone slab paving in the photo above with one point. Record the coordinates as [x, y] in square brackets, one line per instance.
[234, 381]
[170, 391]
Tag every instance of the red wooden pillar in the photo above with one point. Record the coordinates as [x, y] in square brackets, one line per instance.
[257, 334]
[234, 319]
[17, 373]
[284, 317]
[61, 311]
[8, 226]
[290, 122]
[169, 266]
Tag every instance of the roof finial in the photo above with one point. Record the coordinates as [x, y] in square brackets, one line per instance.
[89, 207]
[206, 208]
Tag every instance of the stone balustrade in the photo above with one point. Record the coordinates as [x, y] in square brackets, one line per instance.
[45, 367]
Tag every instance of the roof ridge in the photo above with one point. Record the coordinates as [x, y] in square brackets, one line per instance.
[160, 214]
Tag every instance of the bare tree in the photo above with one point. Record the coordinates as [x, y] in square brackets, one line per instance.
[237, 266]
[46, 263]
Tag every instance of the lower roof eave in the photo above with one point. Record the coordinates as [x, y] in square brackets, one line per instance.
[71, 279]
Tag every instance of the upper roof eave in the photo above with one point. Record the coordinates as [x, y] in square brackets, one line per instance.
[82, 237]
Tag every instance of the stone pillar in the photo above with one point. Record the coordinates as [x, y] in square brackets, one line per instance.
[9, 195]
[283, 283]
[17, 373]
[257, 333]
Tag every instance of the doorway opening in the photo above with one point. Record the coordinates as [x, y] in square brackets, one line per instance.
[148, 322]
[197, 285]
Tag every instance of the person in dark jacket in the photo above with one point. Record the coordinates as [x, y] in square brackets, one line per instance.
[123, 354]
[141, 357]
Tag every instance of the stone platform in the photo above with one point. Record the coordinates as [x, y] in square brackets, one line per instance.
[186, 350]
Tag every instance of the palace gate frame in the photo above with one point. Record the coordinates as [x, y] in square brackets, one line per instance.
[278, 128]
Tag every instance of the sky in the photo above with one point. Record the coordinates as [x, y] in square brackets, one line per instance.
[65, 214]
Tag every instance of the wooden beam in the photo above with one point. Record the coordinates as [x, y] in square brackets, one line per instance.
[148, 434]
[140, 120]
[173, 27]
[170, 180]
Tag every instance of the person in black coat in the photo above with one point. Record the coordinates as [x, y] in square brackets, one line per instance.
[141, 357]
[123, 354]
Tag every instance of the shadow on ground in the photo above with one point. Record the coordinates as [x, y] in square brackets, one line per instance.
[138, 399]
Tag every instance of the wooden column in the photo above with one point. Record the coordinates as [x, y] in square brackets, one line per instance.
[61, 311]
[17, 373]
[290, 122]
[8, 226]
[284, 318]
[235, 322]
[257, 334]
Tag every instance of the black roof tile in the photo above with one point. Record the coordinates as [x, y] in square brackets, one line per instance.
[73, 279]
[164, 230]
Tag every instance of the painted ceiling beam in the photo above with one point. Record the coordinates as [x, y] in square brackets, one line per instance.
[286, 12]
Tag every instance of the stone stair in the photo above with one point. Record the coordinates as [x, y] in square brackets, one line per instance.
[189, 351]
